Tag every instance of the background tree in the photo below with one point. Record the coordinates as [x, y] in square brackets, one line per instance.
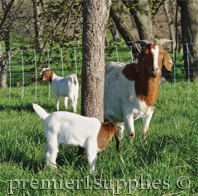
[5, 29]
[189, 24]
[167, 10]
[124, 23]
[140, 10]
[95, 18]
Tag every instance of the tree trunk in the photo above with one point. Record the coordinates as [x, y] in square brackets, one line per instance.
[95, 18]
[125, 24]
[114, 32]
[36, 28]
[189, 23]
[141, 12]
[6, 9]
[3, 75]
[170, 24]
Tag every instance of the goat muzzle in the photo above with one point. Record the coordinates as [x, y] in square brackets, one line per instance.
[41, 76]
[155, 72]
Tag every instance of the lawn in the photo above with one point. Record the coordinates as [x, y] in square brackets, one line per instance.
[167, 165]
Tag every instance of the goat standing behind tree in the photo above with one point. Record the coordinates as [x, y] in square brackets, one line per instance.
[131, 90]
[62, 87]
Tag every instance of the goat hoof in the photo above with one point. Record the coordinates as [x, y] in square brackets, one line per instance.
[132, 135]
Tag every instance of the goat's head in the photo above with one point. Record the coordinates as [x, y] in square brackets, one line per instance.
[46, 74]
[152, 57]
[107, 130]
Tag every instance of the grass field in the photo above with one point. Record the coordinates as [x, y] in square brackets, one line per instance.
[167, 165]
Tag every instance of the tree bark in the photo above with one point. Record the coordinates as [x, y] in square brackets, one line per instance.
[6, 12]
[189, 23]
[114, 32]
[6, 9]
[125, 24]
[36, 28]
[141, 12]
[95, 18]
[3, 75]
[170, 23]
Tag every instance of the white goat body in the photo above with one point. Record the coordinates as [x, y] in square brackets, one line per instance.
[72, 129]
[131, 90]
[62, 87]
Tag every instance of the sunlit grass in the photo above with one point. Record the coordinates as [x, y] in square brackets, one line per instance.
[152, 169]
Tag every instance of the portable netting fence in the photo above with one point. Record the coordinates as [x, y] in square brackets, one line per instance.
[25, 65]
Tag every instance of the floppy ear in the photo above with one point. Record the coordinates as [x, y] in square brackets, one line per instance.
[140, 62]
[141, 58]
[41, 76]
[117, 140]
[137, 67]
[113, 131]
[48, 74]
[168, 61]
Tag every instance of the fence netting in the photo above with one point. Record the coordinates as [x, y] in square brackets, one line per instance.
[24, 66]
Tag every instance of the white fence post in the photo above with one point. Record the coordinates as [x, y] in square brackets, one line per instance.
[10, 74]
[174, 69]
[22, 73]
[62, 62]
[117, 54]
[131, 54]
[75, 58]
[35, 75]
[188, 68]
[48, 63]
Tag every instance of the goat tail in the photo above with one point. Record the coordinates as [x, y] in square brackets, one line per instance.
[40, 111]
[74, 78]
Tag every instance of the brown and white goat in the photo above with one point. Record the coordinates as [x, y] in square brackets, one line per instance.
[62, 87]
[131, 90]
[74, 130]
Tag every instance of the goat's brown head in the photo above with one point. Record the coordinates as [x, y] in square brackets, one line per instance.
[107, 130]
[152, 58]
[46, 74]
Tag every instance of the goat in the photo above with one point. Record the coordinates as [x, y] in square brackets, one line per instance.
[131, 90]
[72, 129]
[62, 87]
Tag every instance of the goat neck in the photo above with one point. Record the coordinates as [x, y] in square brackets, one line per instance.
[146, 87]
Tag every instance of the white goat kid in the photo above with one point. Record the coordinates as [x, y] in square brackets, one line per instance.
[62, 87]
[131, 90]
[72, 129]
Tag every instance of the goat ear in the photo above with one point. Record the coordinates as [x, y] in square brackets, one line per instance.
[117, 140]
[168, 61]
[137, 67]
[46, 75]
[141, 57]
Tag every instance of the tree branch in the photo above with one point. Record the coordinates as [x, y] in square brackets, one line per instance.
[7, 10]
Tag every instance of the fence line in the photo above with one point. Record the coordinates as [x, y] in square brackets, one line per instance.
[10, 74]
[174, 61]
[35, 75]
[62, 62]
[48, 64]
[188, 69]
[70, 61]
[75, 58]
[22, 73]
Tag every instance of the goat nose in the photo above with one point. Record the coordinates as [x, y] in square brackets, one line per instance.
[155, 69]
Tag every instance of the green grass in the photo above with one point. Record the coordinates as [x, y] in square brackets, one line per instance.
[154, 169]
